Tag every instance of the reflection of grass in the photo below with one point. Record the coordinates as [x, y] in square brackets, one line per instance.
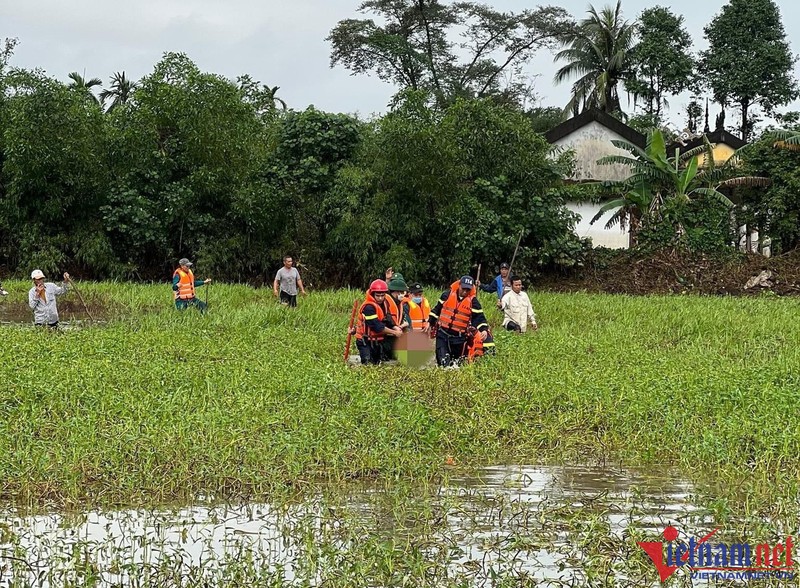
[401, 535]
[254, 398]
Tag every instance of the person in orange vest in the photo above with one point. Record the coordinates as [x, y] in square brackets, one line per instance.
[184, 284]
[419, 309]
[376, 325]
[397, 301]
[459, 320]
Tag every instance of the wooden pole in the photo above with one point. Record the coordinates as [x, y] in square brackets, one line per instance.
[349, 331]
[82, 300]
[515, 252]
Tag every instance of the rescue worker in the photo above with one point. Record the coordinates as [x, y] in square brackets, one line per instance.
[375, 324]
[419, 309]
[42, 299]
[397, 302]
[184, 284]
[459, 321]
[487, 346]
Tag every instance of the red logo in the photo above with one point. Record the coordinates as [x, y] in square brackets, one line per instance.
[706, 560]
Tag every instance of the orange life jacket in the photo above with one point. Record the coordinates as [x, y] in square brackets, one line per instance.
[363, 331]
[418, 313]
[395, 308]
[456, 316]
[185, 289]
[477, 348]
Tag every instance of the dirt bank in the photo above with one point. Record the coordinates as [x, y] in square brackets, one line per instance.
[671, 272]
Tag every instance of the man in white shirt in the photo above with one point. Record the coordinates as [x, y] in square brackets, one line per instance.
[42, 299]
[517, 309]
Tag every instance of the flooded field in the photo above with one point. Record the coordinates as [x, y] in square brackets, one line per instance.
[257, 458]
[71, 314]
[523, 525]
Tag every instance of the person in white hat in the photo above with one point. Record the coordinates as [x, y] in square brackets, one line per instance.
[42, 299]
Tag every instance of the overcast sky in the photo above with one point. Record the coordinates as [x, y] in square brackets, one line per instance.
[279, 43]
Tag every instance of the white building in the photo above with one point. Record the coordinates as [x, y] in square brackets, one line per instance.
[589, 135]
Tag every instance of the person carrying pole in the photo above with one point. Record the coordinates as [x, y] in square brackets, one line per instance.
[500, 285]
[42, 299]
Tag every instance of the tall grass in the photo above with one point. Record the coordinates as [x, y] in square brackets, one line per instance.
[253, 399]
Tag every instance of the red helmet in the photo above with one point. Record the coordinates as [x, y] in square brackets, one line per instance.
[378, 286]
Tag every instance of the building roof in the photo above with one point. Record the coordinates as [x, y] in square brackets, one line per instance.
[716, 136]
[595, 115]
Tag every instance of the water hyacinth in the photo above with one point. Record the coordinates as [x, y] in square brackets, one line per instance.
[253, 397]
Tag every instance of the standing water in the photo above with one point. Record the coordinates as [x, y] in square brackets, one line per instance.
[527, 525]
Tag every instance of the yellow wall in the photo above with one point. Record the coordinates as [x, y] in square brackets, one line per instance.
[722, 153]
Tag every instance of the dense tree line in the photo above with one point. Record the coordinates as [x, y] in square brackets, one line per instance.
[122, 182]
[187, 163]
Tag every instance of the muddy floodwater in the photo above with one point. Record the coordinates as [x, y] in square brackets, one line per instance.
[528, 525]
[71, 314]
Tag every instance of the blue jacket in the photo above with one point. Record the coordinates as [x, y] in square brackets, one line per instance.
[495, 285]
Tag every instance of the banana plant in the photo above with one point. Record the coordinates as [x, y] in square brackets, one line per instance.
[657, 178]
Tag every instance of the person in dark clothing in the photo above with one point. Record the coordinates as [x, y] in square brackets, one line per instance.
[457, 317]
[376, 325]
[501, 285]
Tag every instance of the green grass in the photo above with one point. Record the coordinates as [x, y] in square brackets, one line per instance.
[254, 399]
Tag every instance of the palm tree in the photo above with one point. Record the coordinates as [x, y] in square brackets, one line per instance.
[597, 54]
[656, 177]
[261, 97]
[272, 99]
[85, 86]
[120, 91]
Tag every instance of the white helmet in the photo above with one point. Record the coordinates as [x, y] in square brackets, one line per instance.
[37, 274]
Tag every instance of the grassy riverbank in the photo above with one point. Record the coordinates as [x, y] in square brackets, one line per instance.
[253, 399]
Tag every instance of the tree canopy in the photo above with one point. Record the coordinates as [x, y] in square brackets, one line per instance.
[191, 164]
[450, 50]
[598, 57]
[748, 61]
[662, 61]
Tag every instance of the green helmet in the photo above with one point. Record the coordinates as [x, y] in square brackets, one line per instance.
[397, 284]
